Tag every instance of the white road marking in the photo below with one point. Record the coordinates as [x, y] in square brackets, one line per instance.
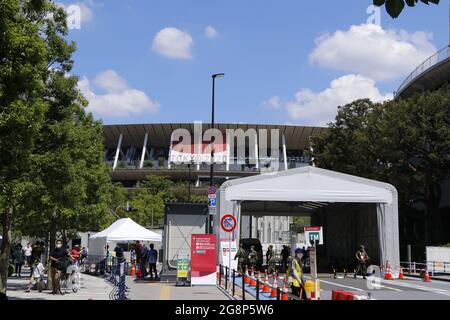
[419, 287]
[340, 285]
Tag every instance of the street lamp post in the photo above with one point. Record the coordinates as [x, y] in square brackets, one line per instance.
[211, 176]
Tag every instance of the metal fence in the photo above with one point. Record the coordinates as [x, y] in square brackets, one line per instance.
[436, 58]
[434, 267]
[231, 279]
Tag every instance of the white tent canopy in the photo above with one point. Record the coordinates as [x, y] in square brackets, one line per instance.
[310, 184]
[122, 230]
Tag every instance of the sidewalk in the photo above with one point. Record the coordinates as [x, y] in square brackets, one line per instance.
[168, 291]
[92, 288]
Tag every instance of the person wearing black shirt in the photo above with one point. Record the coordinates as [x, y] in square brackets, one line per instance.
[57, 257]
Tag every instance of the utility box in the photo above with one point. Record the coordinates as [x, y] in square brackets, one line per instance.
[181, 220]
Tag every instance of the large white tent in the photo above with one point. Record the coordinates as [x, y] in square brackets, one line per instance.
[311, 184]
[123, 230]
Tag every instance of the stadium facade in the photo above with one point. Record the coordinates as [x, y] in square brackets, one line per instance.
[179, 152]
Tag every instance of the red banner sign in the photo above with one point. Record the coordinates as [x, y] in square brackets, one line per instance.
[203, 259]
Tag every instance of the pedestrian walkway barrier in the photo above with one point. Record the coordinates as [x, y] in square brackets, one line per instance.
[118, 272]
[255, 284]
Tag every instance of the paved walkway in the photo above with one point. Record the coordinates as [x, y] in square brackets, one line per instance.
[92, 288]
[168, 291]
[98, 288]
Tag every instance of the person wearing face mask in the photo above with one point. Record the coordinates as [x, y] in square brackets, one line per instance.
[57, 260]
[296, 274]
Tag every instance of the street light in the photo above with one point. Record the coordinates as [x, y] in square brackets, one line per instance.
[211, 176]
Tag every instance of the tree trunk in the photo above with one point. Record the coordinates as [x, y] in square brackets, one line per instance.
[5, 248]
[51, 247]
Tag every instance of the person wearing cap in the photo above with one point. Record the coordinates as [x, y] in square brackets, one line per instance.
[295, 273]
[362, 259]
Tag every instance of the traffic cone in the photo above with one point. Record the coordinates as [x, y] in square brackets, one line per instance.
[252, 279]
[388, 273]
[266, 288]
[284, 295]
[273, 293]
[426, 277]
[261, 283]
[133, 270]
[401, 276]
[247, 279]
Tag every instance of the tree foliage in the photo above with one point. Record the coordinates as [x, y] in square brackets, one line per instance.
[403, 142]
[395, 7]
[52, 177]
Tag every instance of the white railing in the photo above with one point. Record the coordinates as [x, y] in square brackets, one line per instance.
[436, 58]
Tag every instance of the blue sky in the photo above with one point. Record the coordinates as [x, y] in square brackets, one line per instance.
[142, 61]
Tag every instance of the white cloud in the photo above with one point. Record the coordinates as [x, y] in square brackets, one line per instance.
[320, 108]
[173, 43]
[373, 52]
[272, 103]
[119, 100]
[210, 32]
[86, 12]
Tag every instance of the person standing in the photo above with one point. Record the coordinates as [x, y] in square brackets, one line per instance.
[137, 250]
[28, 255]
[144, 261]
[152, 260]
[269, 254]
[284, 257]
[295, 272]
[240, 255]
[253, 257]
[362, 259]
[58, 259]
[19, 259]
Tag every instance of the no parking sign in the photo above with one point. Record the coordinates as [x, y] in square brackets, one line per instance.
[228, 223]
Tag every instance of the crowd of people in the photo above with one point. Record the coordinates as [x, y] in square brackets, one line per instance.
[146, 259]
[34, 258]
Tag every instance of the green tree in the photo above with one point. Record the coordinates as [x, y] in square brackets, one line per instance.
[395, 7]
[157, 184]
[26, 46]
[148, 208]
[415, 146]
[403, 142]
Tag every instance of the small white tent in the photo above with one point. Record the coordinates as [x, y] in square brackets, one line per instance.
[316, 185]
[122, 230]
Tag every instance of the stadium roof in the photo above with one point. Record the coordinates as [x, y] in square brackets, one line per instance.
[297, 137]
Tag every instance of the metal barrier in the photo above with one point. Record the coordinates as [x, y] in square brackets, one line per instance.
[225, 273]
[434, 267]
[119, 268]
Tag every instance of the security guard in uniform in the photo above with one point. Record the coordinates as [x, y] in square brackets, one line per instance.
[240, 255]
[253, 257]
[363, 259]
[295, 273]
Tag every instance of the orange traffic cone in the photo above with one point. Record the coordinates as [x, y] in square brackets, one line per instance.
[252, 279]
[133, 270]
[401, 276]
[426, 277]
[388, 273]
[247, 279]
[261, 282]
[284, 295]
[273, 293]
[266, 288]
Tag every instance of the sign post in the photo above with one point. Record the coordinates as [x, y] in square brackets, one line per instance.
[313, 238]
[228, 224]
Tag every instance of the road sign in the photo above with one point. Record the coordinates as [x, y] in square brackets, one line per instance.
[212, 201]
[212, 190]
[228, 223]
[313, 234]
